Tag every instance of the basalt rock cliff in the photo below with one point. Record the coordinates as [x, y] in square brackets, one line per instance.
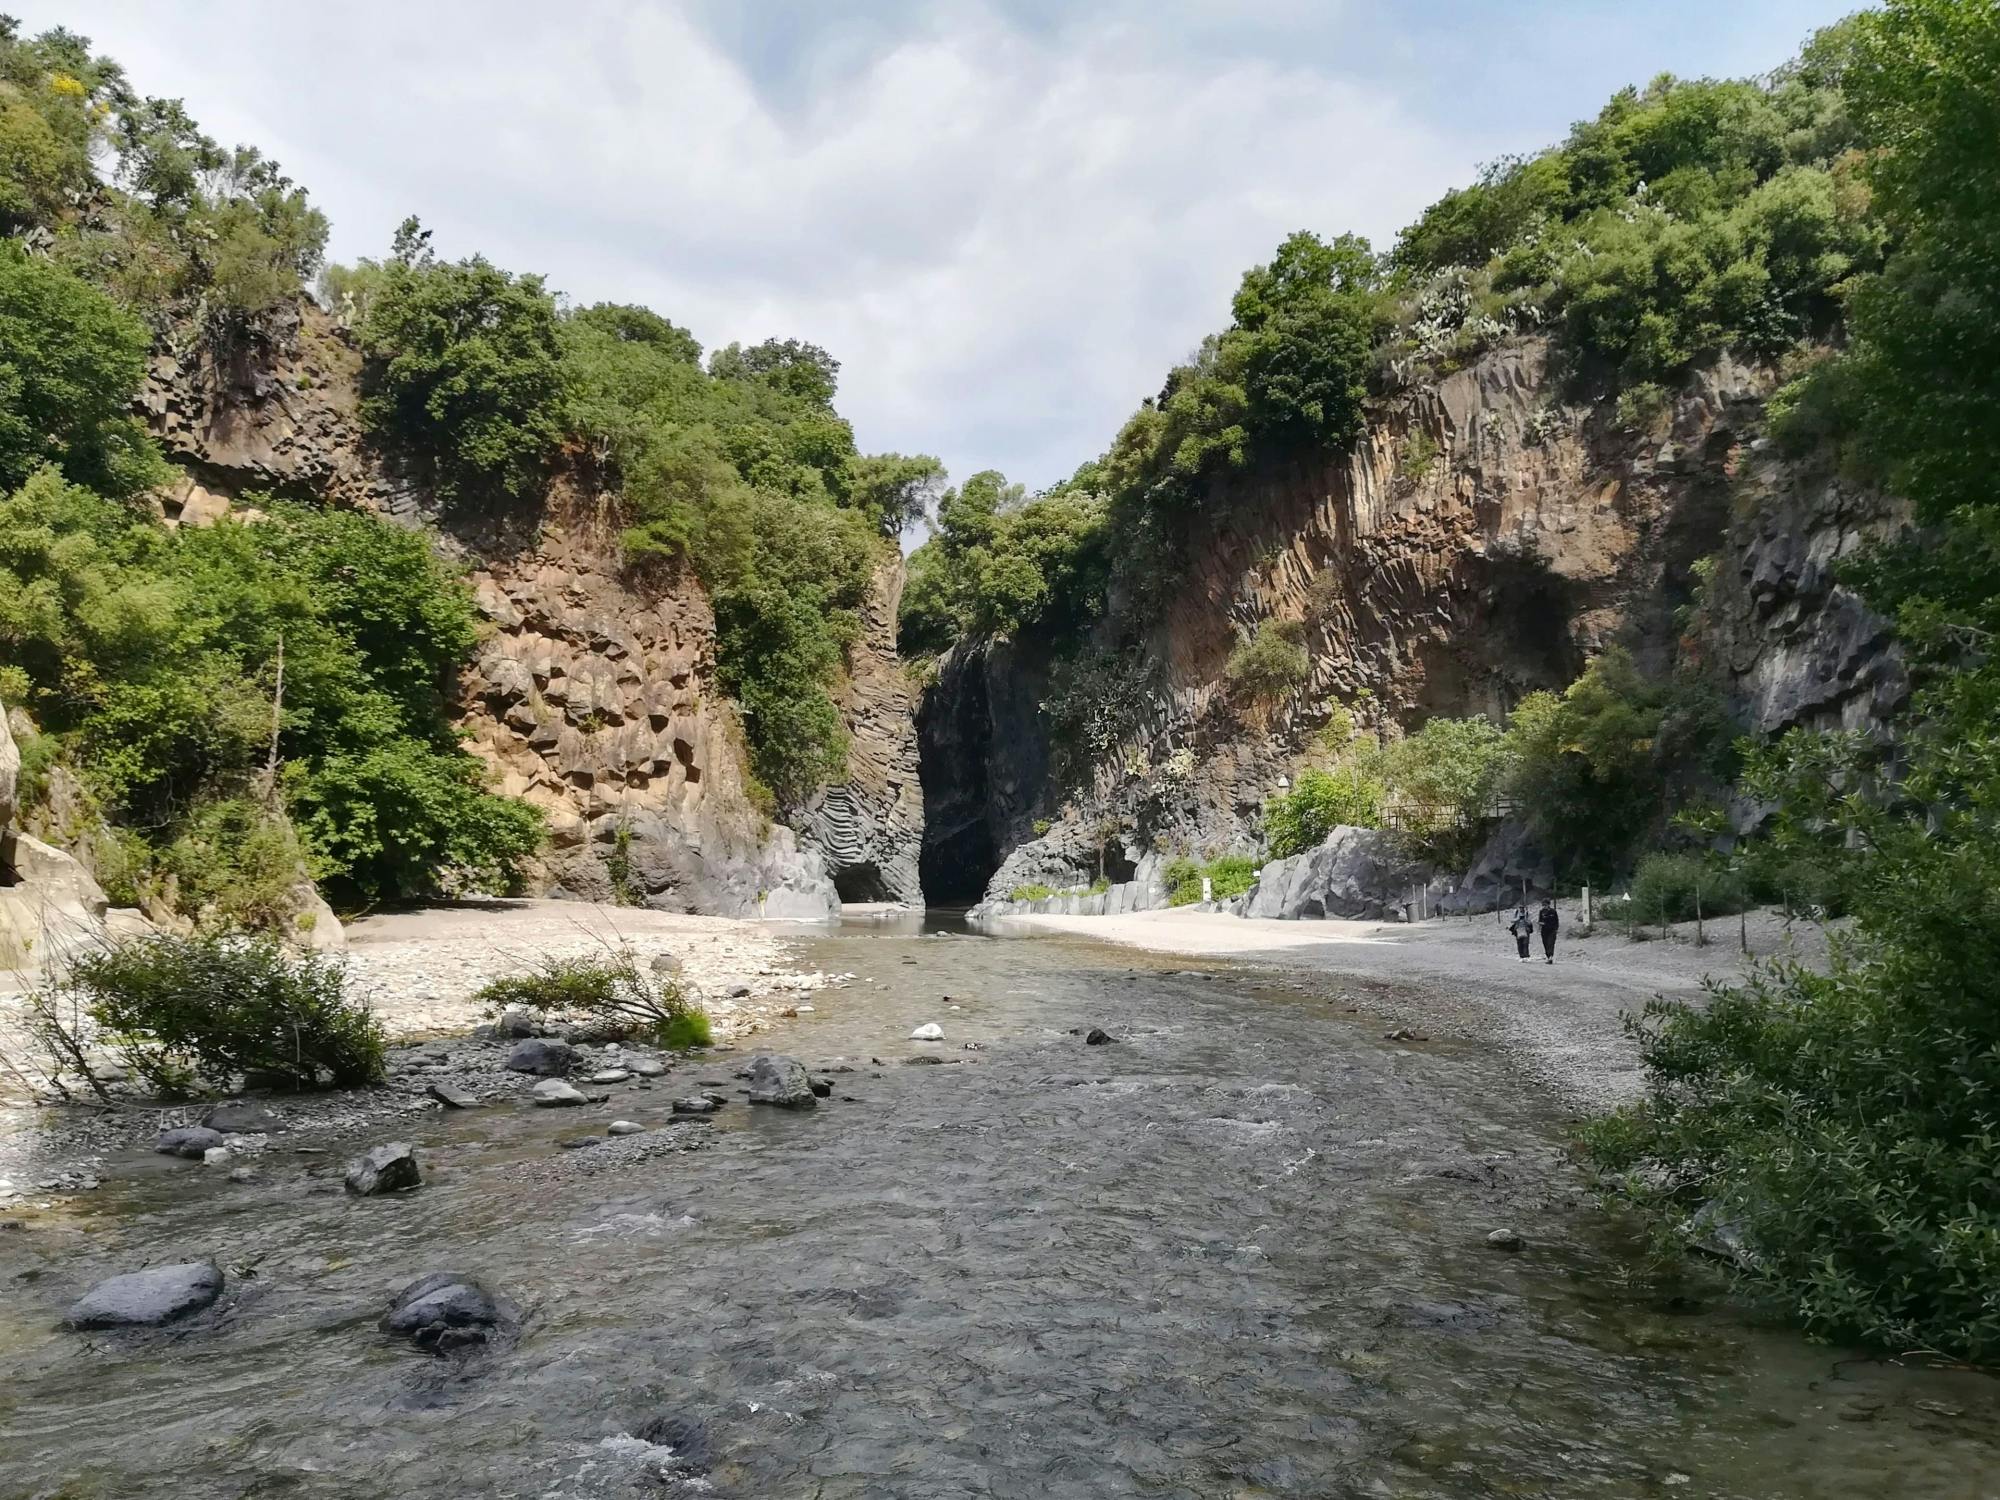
[1482, 540]
[595, 695]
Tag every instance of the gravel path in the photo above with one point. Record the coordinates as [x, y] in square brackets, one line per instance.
[1459, 976]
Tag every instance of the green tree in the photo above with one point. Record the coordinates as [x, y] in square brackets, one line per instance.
[465, 372]
[70, 363]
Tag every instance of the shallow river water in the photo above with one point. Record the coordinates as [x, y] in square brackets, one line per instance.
[1241, 1252]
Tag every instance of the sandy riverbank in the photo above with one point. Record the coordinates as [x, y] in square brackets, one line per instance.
[1459, 976]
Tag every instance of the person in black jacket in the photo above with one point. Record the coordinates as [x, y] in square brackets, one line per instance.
[1549, 922]
[1523, 928]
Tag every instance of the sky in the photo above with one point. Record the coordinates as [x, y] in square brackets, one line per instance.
[1006, 218]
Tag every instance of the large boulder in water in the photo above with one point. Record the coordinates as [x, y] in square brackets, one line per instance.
[146, 1299]
[191, 1141]
[783, 1081]
[544, 1056]
[385, 1169]
[444, 1311]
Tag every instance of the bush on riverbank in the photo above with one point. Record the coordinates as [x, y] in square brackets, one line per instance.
[605, 992]
[184, 1009]
[1685, 887]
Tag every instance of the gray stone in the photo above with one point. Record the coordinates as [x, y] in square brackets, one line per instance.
[666, 963]
[451, 1096]
[146, 1299]
[930, 1031]
[782, 1081]
[647, 1067]
[625, 1127]
[554, 1093]
[238, 1117]
[190, 1141]
[1358, 874]
[699, 1104]
[1097, 1037]
[1505, 1239]
[823, 1087]
[610, 1075]
[543, 1056]
[517, 1023]
[445, 1311]
[217, 1156]
[385, 1169]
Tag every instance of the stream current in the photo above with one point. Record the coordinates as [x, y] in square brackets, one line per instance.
[1239, 1252]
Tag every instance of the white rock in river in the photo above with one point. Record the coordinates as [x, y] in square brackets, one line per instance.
[553, 1093]
[609, 1075]
[930, 1031]
[624, 1127]
[648, 1067]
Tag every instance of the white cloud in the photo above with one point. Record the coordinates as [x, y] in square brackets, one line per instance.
[1005, 232]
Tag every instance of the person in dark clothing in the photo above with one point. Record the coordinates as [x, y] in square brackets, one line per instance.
[1523, 929]
[1549, 922]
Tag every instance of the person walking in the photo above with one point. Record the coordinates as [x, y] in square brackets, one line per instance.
[1523, 929]
[1549, 922]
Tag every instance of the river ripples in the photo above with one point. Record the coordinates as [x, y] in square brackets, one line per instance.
[1239, 1252]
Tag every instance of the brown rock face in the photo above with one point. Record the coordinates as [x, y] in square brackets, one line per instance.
[595, 695]
[594, 699]
[1482, 541]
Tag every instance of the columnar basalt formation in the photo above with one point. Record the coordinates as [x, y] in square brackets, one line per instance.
[1485, 537]
[595, 696]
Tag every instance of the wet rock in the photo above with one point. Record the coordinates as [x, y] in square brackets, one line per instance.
[217, 1156]
[1097, 1036]
[821, 1086]
[242, 1174]
[686, 1439]
[930, 1059]
[543, 1056]
[445, 1311]
[740, 992]
[647, 1067]
[930, 1031]
[190, 1141]
[1505, 1239]
[385, 1169]
[238, 1117]
[610, 1075]
[451, 1096]
[578, 1142]
[781, 1081]
[699, 1104]
[146, 1299]
[554, 1093]
[1404, 1034]
[625, 1127]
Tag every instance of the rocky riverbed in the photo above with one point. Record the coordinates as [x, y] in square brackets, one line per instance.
[418, 971]
[1243, 1243]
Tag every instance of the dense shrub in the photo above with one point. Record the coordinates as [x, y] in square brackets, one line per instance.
[1442, 780]
[1319, 802]
[1032, 891]
[1270, 665]
[1682, 887]
[1598, 771]
[1231, 876]
[214, 1006]
[610, 993]
[70, 362]
[152, 657]
[464, 372]
[1843, 1122]
[1183, 878]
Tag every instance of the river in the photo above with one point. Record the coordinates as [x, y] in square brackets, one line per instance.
[1239, 1252]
